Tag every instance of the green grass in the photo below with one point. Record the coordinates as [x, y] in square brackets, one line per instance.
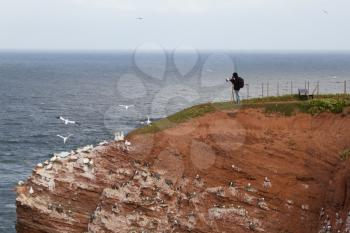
[286, 109]
[285, 105]
[179, 117]
[345, 154]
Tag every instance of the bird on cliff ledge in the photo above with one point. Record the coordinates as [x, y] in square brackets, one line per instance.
[148, 122]
[31, 190]
[119, 136]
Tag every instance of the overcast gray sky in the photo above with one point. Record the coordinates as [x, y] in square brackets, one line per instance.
[201, 24]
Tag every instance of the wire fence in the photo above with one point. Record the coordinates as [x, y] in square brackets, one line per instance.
[279, 88]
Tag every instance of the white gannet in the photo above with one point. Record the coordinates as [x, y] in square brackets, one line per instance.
[39, 165]
[20, 183]
[148, 122]
[119, 136]
[267, 183]
[54, 158]
[31, 190]
[66, 121]
[127, 143]
[126, 106]
[64, 138]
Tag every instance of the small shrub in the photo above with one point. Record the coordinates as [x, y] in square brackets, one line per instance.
[323, 105]
[345, 154]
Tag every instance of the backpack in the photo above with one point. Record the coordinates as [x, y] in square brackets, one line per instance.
[240, 82]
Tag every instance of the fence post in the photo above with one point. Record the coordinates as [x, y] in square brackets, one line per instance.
[278, 88]
[267, 89]
[344, 87]
[308, 87]
[232, 94]
[247, 91]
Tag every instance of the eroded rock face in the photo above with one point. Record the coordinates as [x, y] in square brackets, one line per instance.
[276, 177]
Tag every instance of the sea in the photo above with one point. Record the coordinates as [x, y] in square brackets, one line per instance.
[88, 87]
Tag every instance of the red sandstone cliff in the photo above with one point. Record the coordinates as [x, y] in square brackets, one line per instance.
[223, 172]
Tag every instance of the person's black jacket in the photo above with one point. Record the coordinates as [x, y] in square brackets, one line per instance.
[235, 83]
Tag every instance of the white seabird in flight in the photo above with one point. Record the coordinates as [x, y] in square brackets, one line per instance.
[126, 106]
[64, 138]
[66, 121]
[139, 18]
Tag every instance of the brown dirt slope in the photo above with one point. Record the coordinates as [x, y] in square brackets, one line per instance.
[229, 171]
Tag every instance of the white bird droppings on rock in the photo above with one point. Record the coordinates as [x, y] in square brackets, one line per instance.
[305, 207]
[49, 167]
[91, 162]
[103, 143]
[73, 158]
[235, 168]
[62, 154]
[86, 160]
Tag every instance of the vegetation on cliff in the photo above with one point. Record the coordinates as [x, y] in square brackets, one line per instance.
[286, 105]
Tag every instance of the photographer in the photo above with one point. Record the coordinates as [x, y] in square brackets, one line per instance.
[237, 83]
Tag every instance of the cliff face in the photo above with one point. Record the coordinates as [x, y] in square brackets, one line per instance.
[223, 172]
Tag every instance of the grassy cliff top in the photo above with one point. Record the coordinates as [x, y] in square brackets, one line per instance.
[286, 105]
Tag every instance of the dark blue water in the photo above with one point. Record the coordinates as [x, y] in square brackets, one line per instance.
[88, 87]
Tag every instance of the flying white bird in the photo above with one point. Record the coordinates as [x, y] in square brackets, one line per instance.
[126, 106]
[64, 138]
[148, 122]
[66, 121]
[326, 12]
[139, 18]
